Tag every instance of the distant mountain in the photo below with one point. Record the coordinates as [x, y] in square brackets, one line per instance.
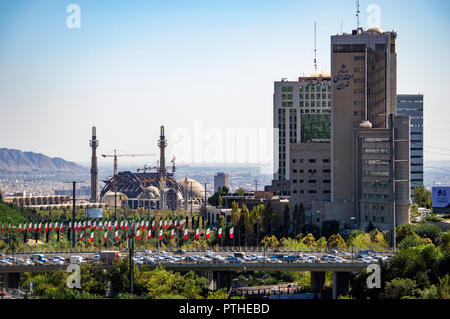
[18, 161]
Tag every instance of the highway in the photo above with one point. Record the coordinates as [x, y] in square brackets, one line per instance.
[206, 260]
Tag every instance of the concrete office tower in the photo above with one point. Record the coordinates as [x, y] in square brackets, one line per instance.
[93, 143]
[412, 105]
[363, 72]
[381, 186]
[301, 112]
[310, 173]
[220, 180]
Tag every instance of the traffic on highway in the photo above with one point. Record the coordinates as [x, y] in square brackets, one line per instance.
[197, 257]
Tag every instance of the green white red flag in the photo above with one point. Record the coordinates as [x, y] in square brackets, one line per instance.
[185, 234]
[231, 231]
[220, 232]
[207, 232]
[160, 234]
[197, 233]
[92, 237]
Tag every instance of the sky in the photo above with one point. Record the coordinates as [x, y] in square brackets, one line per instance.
[204, 69]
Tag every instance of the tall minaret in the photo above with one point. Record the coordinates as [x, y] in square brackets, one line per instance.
[94, 170]
[162, 143]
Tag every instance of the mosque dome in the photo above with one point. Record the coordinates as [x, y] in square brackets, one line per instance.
[197, 189]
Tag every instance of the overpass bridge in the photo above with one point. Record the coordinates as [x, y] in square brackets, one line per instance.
[220, 273]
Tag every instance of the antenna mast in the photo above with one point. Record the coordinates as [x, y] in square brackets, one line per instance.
[315, 51]
[357, 14]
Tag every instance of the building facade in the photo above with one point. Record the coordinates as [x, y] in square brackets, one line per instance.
[221, 180]
[412, 105]
[310, 172]
[363, 72]
[302, 111]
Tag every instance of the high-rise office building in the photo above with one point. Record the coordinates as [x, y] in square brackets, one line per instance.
[363, 72]
[412, 105]
[220, 180]
[302, 112]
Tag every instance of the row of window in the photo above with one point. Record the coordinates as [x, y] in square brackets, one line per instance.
[311, 191]
[314, 104]
[311, 160]
[307, 111]
[375, 150]
[374, 173]
[311, 181]
[317, 88]
[375, 196]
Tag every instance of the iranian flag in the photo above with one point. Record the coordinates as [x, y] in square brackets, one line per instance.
[117, 235]
[172, 234]
[207, 233]
[153, 224]
[79, 226]
[160, 223]
[45, 227]
[197, 233]
[92, 237]
[146, 225]
[160, 234]
[20, 227]
[100, 225]
[115, 225]
[176, 223]
[56, 226]
[150, 234]
[185, 234]
[142, 224]
[89, 224]
[35, 226]
[231, 232]
[220, 232]
[3, 228]
[50, 226]
[105, 235]
[121, 225]
[84, 225]
[40, 227]
[61, 228]
[109, 225]
[81, 236]
[138, 235]
[9, 228]
[170, 223]
[126, 225]
[70, 225]
[24, 227]
[182, 223]
[95, 225]
[30, 227]
[165, 223]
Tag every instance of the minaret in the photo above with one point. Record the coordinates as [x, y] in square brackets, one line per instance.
[162, 143]
[94, 170]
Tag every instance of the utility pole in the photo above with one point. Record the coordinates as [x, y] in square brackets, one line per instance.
[74, 208]
[131, 251]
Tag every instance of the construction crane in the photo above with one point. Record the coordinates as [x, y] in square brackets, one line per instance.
[115, 155]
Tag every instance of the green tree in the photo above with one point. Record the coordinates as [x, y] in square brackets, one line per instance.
[422, 197]
[400, 287]
[270, 242]
[428, 230]
[336, 241]
[309, 240]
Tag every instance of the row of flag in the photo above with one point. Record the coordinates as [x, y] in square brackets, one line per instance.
[108, 226]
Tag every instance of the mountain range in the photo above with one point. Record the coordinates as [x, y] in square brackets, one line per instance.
[18, 161]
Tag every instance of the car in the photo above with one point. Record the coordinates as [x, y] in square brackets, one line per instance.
[75, 259]
[39, 257]
[180, 252]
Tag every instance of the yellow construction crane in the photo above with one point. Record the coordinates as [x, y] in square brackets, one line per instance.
[115, 155]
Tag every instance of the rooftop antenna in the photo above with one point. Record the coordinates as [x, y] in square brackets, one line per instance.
[357, 14]
[341, 27]
[315, 51]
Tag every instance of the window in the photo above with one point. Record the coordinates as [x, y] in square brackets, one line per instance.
[287, 89]
[311, 181]
[326, 191]
[312, 160]
[312, 191]
[326, 181]
[326, 170]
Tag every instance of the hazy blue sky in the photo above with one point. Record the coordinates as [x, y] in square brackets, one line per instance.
[133, 65]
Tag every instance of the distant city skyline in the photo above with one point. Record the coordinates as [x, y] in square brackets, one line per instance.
[132, 66]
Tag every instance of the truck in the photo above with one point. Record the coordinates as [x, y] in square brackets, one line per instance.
[109, 257]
